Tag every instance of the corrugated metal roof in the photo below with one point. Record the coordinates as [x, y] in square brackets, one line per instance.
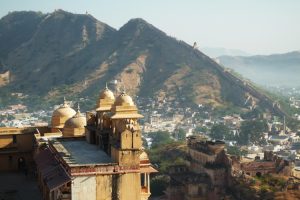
[56, 177]
[53, 174]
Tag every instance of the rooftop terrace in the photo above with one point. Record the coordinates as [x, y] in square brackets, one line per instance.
[79, 152]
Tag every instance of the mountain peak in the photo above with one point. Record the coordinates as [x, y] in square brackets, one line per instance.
[59, 13]
[138, 23]
[19, 15]
[139, 26]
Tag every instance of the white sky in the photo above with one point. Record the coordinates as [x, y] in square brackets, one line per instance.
[255, 26]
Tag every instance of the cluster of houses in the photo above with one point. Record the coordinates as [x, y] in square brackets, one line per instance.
[18, 116]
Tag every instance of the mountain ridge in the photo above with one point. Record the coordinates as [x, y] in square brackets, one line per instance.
[274, 69]
[76, 54]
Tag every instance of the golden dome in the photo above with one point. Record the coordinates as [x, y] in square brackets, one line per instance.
[144, 156]
[64, 111]
[123, 100]
[77, 121]
[106, 100]
[107, 94]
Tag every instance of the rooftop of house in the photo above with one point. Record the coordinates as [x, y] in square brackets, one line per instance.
[15, 131]
[78, 152]
[279, 137]
[295, 146]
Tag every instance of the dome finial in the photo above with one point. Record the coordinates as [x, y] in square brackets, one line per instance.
[65, 104]
[78, 107]
[106, 86]
[124, 90]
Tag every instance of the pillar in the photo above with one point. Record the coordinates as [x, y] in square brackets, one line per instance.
[148, 185]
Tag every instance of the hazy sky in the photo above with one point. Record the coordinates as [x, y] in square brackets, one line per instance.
[255, 26]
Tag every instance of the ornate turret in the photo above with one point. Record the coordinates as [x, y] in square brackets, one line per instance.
[126, 136]
[124, 108]
[106, 100]
[100, 120]
[116, 131]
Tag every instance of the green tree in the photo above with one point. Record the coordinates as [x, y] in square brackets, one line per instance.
[255, 113]
[166, 155]
[219, 131]
[252, 131]
[234, 150]
[180, 135]
[200, 129]
[160, 138]
[159, 184]
[145, 143]
[10, 117]
[293, 124]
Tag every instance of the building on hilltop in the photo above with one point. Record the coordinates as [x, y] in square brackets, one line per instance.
[206, 175]
[99, 156]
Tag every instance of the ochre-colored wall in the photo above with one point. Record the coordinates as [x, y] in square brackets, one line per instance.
[25, 142]
[71, 132]
[9, 161]
[83, 187]
[104, 189]
[58, 121]
[130, 186]
[6, 141]
[101, 187]
[114, 154]
[11, 152]
[126, 140]
[136, 140]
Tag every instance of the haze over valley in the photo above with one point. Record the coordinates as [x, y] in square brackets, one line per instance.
[267, 70]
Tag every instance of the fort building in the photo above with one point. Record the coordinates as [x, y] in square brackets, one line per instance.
[97, 156]
[206, 174]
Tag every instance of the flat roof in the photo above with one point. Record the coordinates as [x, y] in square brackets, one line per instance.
[15, 130]
[79, 152]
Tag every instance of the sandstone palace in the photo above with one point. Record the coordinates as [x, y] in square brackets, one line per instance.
[97, 156]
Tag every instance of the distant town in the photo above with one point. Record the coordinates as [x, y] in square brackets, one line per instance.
[182, 122]
[247, 147]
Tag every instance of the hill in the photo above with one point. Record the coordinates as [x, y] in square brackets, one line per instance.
[63, 54]
[275, 70]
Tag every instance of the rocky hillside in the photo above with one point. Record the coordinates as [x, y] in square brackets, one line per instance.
[60, 53]
[275, 70]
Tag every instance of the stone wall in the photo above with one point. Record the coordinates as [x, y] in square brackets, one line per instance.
[84, 187]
